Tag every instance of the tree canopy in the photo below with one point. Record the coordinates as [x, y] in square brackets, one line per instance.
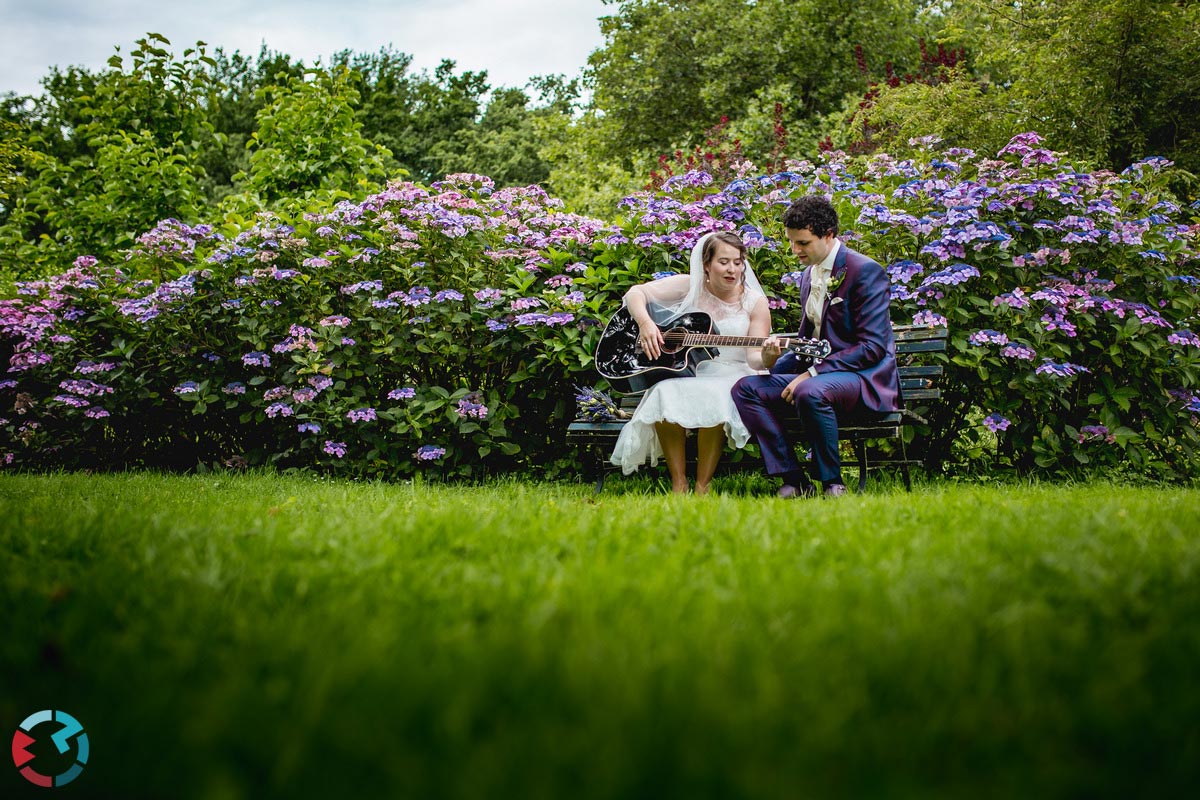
[101, 155]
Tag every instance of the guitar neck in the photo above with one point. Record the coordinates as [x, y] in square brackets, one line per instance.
[716, 340]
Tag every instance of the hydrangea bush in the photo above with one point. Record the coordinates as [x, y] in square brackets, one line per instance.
[445, 328]
[402, 333]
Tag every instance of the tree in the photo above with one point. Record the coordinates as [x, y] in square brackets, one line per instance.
[1109, 80]
[669, 69]
[308, 140]
[234, 99]
[112, 155]
[416, 117]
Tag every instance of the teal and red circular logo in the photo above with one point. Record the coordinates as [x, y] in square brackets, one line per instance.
[54, 764]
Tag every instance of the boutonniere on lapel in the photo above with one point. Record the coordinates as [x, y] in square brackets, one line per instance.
[834, 282]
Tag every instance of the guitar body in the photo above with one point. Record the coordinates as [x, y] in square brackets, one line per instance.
[620, 359]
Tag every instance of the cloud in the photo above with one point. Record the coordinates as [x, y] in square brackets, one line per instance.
[512, 39]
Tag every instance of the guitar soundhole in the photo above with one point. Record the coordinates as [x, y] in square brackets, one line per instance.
[673, 340]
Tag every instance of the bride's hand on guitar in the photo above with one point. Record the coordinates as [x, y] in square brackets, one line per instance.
[650, 339]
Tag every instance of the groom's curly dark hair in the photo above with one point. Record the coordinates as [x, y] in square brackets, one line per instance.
[813, 212]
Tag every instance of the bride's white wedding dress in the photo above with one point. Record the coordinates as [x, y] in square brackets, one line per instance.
[703, 401]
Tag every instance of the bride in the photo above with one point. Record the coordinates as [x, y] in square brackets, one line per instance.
[721, 284]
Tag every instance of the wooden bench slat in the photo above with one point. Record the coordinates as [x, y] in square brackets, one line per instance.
[589, 428]
[925, 346]
[916, 371]
[919, 332]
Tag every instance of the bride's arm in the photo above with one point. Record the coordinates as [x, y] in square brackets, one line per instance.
[760, 327]
[663, 292]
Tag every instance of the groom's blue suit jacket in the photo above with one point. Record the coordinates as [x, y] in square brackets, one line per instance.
[858, 328]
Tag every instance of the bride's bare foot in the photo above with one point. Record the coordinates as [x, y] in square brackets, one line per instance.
[703, 488]
[679, 488]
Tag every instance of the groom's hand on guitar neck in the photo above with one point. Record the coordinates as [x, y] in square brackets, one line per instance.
[771, 351]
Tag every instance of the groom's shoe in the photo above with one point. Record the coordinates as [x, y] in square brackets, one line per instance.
[835, 490]
[789, 492]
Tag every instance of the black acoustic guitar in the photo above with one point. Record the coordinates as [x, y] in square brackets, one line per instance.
[686, 339]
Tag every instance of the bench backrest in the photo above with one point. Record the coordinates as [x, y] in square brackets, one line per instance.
[919, 381]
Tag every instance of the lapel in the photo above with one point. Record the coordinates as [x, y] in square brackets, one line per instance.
[839, 268]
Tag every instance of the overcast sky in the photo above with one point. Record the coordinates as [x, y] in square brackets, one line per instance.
[512, 39]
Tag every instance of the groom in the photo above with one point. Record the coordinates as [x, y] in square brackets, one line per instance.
[845, 298]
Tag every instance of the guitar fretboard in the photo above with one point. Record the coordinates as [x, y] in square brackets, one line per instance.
[696, 339]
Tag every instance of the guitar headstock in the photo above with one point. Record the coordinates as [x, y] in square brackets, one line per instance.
[816, 349]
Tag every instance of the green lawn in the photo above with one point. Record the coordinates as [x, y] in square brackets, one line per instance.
[254, 636]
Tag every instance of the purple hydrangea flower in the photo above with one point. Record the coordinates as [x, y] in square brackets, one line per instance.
[487, 298]
[363, 286]
[1184, 337]
[1064, 370]
[71, 400]
[86, 388]
[926, 317]
[187, 387]
[279, 410]
[236, 387]
[524, 303]
[320, 382]
[403, 393]
[980, 338]
[416, 296]
[335, 448]
[308, 427]
[361, 415]
[1015, 350]
[93, 367]
[429, 452]
[1094, 433]
[996, 423]
[256, 359]
[1014, 299]
[467, 408]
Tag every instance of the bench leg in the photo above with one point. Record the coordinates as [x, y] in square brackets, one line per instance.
[598, 462]
[861, 447]
[904, 464]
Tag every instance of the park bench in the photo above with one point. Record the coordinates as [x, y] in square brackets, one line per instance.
[916, 346]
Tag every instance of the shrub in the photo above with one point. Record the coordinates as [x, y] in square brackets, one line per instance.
[444, 328]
